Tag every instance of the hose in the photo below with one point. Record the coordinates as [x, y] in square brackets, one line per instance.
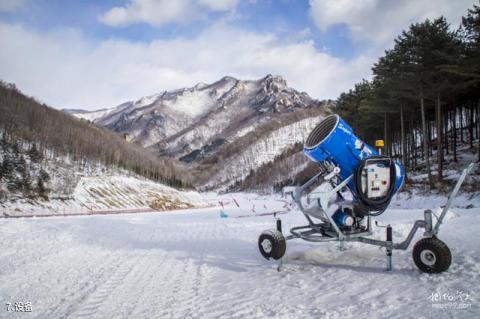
[374, 207]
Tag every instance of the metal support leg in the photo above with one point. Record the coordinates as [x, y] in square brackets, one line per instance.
[279, 228]
[389, 247]
[451, 197]
[427, 217]
[280, 264]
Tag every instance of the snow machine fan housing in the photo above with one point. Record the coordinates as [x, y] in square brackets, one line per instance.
[376, 178]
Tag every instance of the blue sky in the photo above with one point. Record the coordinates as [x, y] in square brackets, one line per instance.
[284, 17]
[94, 54]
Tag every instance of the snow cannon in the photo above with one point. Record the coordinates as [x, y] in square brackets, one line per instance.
[354, 184]
[376, 178]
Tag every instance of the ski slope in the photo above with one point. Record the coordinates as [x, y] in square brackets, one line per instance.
[194, 264]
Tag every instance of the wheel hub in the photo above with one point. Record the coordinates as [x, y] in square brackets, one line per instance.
[266, 245]
[428, 257]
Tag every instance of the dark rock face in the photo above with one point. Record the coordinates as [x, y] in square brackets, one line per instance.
[202, 153]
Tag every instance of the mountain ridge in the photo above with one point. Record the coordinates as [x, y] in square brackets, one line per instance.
[200, 123]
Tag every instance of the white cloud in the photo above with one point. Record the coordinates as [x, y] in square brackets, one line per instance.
[10, 5]
[67, 70]
[161, 12]
[380, 21]
[219, 5]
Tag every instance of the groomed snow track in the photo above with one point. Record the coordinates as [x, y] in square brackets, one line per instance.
[194, 264]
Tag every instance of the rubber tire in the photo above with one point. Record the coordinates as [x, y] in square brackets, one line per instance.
[441, 251]
[278, 243]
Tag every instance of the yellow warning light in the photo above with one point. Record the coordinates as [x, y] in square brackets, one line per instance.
[379, 143]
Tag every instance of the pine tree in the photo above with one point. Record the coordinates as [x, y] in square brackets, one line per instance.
[8, 166]
[4, 142]
[24, 181]
[42, 178]
[35, 155]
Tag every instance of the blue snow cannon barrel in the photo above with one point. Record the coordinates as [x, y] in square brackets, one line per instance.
[333, 140]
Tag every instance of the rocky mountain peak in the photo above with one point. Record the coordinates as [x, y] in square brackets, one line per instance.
[228, 78]
[198, 123]
[178, 122]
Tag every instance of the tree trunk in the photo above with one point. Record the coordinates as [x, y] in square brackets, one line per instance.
[425, 143]
[478, 128]
[439, 139]
[430, 138]
[413, 153]
[445, 129]
[391, 140]
[461, 125]
[470, 126]
[422, 150]
[408, 148]
[454, 133]
[385, 132]
[402, 136]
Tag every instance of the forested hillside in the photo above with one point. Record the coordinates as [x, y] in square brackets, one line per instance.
[27, 126]
[424, 96]
[247, 154]
[289, 168]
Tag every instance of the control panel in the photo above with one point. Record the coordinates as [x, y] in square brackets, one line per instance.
[377, 180]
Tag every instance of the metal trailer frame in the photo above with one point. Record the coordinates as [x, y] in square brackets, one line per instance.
[328, 230]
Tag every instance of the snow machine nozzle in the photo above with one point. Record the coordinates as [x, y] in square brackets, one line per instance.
[376, 178]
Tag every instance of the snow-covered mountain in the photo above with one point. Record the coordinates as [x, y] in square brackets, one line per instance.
[87, 115]
[195, 124]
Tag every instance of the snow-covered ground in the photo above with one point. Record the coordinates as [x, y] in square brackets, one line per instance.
[104, 194]
[195, 264]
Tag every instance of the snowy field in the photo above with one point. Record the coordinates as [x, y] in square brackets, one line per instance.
[195, 264]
